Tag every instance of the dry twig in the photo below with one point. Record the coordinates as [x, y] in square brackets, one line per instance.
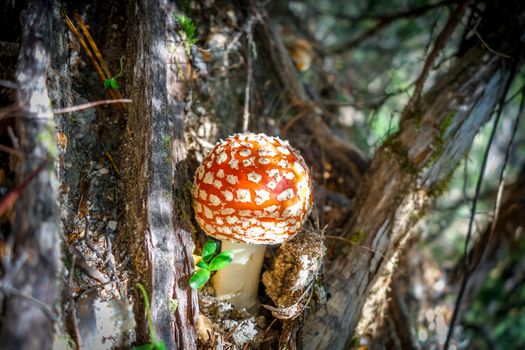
[440, 42]
[89, 105]
[382, 22]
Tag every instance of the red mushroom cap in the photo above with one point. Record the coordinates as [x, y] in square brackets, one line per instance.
[252, 188]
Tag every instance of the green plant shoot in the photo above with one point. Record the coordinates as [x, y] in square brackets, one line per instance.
[155, 343]
[208, 251]
[208, 264]
[188, 27]
[112, 82]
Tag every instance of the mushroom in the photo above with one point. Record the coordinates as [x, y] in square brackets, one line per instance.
[250, 191]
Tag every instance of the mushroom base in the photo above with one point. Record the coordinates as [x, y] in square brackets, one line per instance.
[238, 283]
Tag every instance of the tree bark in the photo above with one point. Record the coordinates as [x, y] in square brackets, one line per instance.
[155, 168]
[30, 283]
[406, 172]
[396, 330]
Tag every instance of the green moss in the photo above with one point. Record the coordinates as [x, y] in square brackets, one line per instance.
[440, 141]
[173, 304]
[187, 32]
[166, 140]
[441, 186]
[418, 118]
[354, 343]
[447, 122]
[188, 28]
[47, 139]
[358, 237]
[393, 144]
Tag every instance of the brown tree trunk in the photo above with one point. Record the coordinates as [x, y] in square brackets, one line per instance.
[155, 174]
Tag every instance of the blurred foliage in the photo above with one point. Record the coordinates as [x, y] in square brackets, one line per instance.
[376, 75]
[500, 306]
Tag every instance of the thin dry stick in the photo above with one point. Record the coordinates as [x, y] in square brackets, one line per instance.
[89, 105]
[246, 112]
[8, 84]
[12, 196]
[9, 112]
[382, 22]
[12, 151]
[505, 161]
[91, 52]
[72, 306]
[93, 45]
[85, 46]
[112, 162]
[100, 285]
[302, 112]
[484, 43]
[114, 93]
[466, 254]
[440, 42]
[41, 305]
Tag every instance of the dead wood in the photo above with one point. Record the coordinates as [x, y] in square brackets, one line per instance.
[291, 283]
[155, 148]
[29, 284]
[409, 169]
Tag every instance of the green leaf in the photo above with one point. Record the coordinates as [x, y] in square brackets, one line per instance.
[159, 345]
[114, 84]
[221, 261]
[202, 265]
[199, 278]
[111, 83]
[208, 250]
[152, 334]
[144, 347]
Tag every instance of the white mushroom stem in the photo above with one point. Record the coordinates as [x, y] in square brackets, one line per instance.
[238, 282]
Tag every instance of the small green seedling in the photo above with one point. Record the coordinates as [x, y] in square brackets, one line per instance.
[155, 343]
[188, 27]
[112, 82]
[207, 264]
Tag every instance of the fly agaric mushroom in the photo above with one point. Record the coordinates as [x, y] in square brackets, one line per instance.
[251, 190]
